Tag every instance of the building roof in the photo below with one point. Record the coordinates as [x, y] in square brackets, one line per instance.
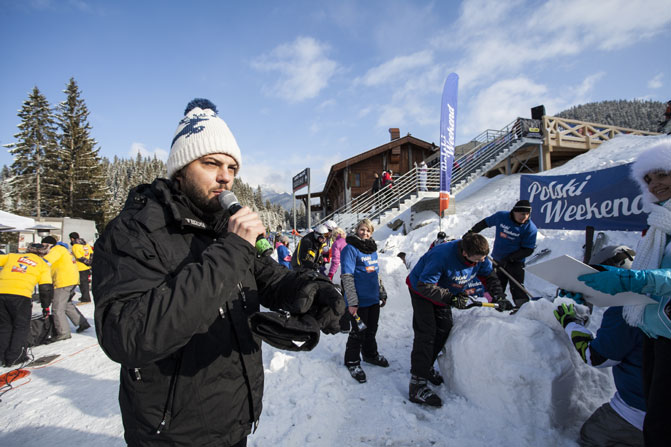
[373, 152]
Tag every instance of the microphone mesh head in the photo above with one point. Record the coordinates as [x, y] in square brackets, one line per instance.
[227, 199]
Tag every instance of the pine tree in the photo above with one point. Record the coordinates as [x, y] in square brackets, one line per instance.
[36, 141]
[80, 180]
[121, 175]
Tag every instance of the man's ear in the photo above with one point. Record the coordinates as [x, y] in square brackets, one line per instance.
[178, 176]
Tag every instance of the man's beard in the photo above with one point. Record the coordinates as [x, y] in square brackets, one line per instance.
[200, 200]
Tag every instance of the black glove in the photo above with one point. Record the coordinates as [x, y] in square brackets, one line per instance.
[459, 300]
[319, 297]
[565, 314]
[303, 300]
[328, 307]
[383, 298]
[285, 331]
[502, 304]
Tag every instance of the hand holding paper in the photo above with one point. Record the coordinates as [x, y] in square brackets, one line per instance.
[572, 275]
[615, 280]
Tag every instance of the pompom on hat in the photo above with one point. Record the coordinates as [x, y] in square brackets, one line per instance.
[657, 157]
[199, 133]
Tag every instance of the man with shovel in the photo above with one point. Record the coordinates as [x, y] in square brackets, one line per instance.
[438, 283]
[515, 240]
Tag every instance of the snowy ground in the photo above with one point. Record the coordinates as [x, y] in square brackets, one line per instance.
[510, 380]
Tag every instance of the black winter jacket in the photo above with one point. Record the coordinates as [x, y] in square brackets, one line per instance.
[172, 305]
[308, 254]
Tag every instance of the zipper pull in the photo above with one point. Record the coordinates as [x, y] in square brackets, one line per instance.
[160, 427]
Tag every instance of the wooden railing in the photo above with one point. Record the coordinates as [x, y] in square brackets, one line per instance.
[566, 133]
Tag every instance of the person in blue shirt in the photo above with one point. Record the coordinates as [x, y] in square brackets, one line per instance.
[436, 284]
[364, 295]
[515, 240]
[283, 253]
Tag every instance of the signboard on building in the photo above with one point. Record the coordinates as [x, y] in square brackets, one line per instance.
[301, 179]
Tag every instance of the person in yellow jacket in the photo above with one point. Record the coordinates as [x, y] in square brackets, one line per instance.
[21, 272]
[66, 277]
[83, 253]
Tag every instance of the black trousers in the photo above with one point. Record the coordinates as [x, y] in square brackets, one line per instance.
[363, 342]
[516, 270]
[657, 389]
[15, 313]
[431, 325]
[84, 286]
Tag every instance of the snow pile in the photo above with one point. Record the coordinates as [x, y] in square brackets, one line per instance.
[510, 380]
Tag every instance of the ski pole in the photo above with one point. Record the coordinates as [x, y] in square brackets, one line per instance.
[513, 280]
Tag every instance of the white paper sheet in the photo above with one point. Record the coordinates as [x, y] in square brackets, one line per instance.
[563, 271]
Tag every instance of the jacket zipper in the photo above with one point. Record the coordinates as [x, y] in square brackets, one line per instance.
[167, 410]
[255, 423]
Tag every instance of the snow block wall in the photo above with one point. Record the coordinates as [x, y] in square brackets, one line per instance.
[538, 377]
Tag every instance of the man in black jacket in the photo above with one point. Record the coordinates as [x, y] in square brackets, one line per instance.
[176, 278]
[308, 253]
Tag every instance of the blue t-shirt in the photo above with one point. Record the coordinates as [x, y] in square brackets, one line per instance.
[284, 256]
[616, 340]
[510, 236]
[363, 267]
[442, 266]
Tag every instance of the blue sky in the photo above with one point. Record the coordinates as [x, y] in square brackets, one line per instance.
[310, 83]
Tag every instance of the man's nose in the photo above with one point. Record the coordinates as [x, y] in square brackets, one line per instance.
[224, 176]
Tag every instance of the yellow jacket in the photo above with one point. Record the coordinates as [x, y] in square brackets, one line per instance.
[22, 272]
[82, 251]
[63, 267]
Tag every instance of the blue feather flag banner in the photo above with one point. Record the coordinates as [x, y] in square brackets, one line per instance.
[448, 132]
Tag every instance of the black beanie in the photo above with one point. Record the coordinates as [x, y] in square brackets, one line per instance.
[522, 206]
[49, 240]
[74, 235]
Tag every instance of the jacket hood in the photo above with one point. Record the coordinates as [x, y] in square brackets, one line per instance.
[655, 158]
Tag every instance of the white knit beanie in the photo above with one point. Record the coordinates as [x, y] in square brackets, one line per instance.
[657, 157]
[199, 133]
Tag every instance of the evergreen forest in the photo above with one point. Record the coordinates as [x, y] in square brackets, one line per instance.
[58, 172]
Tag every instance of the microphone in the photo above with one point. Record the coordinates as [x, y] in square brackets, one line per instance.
[229, 201]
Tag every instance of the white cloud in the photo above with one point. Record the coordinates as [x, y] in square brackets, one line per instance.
[581, 93]
[390, 114]
[140, 148]
[499, 39]
[604, 24]
[303, 67]
[500, 103]
[396, 68]
[256, 174]
[656, 82]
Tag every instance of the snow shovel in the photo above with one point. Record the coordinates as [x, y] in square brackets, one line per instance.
[514, 281]
[475, 303]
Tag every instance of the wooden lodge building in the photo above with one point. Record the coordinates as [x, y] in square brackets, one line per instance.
[352, 177]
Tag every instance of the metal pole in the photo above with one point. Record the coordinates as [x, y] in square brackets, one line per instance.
[293, 233]
[309, 204]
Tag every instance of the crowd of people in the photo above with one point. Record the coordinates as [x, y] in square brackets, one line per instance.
[56, 272]
[179, 287]
[633, 340]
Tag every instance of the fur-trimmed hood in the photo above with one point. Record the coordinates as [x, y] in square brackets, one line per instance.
[656, 157]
